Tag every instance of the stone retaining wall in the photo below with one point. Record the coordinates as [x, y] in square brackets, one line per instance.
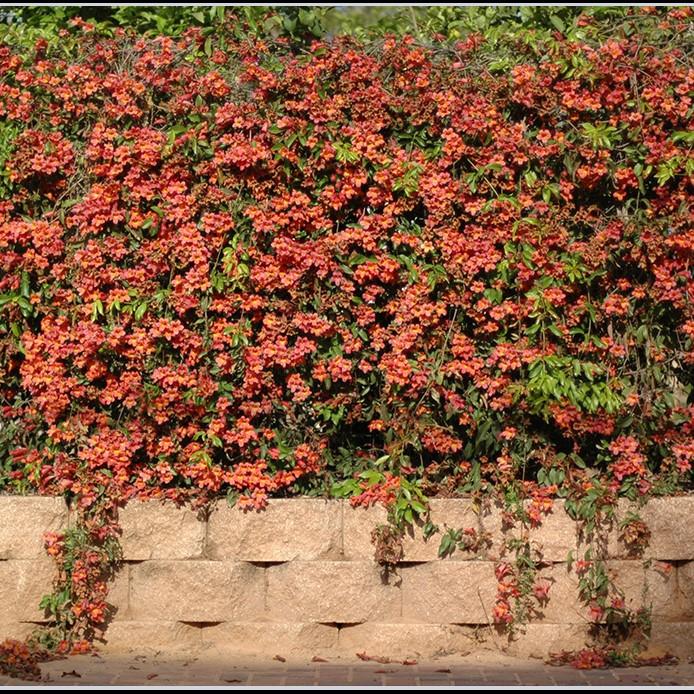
[300, 577]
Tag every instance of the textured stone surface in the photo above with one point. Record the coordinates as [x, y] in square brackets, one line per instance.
[195, 591]
[442, 592]
[331, 591]
[23, 583]
[555, 537]
[15, 629]
[446, 513]
[173, 636]
[118, 593]
[659, 590]
[643, 587]
[490, 522]
[538, 640]
[407, 640]
[674, 637]
[456, 514]
[271, 637]
[156, 530]
[564, 605]
[287, 530]
[357, 525]
[671, 522]
[685, 589]
[24, 520]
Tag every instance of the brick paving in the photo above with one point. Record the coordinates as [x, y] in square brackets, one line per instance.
[121, 669]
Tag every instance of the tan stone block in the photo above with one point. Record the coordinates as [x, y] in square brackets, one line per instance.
[160, 530]
[443, 592]
[23, 583]
[673, 637]
[287, 530]
[455, 514]
[15, 630]
[642, 588]
[24, 520]
[661, 592]
[557, 535]
[490, 522]
[195, 591]
[685, 589]
[539, 640]
[357, 525]
[331, 591]
[564, 605]
[671, 522]
[646, 587]
[118, 593]
[446, 513]
[407, 640]
[269, 638]
[127, 635]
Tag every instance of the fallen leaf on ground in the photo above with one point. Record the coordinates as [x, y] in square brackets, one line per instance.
[318, 659]
[72, 673]
[152, 675]
[409, 661]
[667, 659]
[377, 658]
[281, 658]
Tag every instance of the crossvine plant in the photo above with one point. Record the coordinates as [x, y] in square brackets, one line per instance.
[238, 259]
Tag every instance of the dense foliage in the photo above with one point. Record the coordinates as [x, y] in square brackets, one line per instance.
[231, 265]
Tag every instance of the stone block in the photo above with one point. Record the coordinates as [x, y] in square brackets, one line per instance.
[357, 525]
[660, 591]
[270, 638]
[195, 591]
[448, 592]
[331, 591]
[685, 589]
[557, 536]
[128, 635]
[564, 605]
[119, 593]
[24, 520]
[456, 514]
[643, 587]
[671, 522]
[539, 640]
[287, 530]
[15, 630]
[23, 583]
[673, 637]
[446, 513]
[159, 530]
[407, 640]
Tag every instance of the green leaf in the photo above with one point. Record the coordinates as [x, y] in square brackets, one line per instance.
[24, 286]
[232, 497]
[557, 22]
[140, 310]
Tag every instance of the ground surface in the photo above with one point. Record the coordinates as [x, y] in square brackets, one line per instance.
[475, 670]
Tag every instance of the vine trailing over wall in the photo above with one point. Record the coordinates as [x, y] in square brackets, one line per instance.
[383, 271]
